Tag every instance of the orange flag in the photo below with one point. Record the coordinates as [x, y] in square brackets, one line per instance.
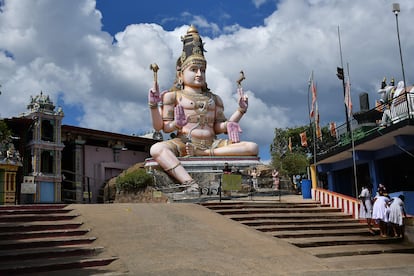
[303, 139]
[332, 129]
[347, 99]
[313, 90]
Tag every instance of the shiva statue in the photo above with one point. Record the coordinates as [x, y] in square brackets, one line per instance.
[195, 115]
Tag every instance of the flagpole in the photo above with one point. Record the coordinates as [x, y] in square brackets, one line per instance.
[313, 132]
[309, 92]
[314, 139]
[348, 128]
[309, 111]
[352, 137]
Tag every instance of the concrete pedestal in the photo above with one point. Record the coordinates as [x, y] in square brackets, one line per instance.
[207, 171]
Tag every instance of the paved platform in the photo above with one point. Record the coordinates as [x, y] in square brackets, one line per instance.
[188, 239]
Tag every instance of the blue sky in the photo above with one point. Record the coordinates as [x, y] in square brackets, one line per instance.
[170, 14]
[92, 58]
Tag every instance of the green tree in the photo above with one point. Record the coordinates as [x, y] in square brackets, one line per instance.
[288, 161]
[295, 163]
[296, 160]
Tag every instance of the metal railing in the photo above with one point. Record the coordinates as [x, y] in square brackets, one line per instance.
[396, 110]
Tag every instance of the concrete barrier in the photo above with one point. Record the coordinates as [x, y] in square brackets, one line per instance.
[348, 205]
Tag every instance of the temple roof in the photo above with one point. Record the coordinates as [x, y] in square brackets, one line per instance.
[41, 103]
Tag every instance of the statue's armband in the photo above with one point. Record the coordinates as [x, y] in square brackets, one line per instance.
[220, 117]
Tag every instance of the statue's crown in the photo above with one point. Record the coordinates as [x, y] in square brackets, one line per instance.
[193, 49]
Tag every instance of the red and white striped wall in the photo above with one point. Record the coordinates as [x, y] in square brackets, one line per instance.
[347, 204]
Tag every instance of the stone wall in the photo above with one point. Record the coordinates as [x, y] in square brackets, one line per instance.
[149, 195]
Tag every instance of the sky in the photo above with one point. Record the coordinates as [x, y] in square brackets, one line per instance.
[92, 57]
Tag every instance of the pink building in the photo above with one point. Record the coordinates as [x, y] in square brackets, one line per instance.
[91, 157]
[63, 163]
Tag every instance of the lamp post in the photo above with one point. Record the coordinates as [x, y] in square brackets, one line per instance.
[396, 10]
[0, 94]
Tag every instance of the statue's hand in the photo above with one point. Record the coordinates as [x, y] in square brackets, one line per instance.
[233, 130]
[179, 115]
[154, 95]
[243, 99]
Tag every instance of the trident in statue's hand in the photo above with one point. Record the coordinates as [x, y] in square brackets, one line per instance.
[154, 67]
[154, 94]
[242, 77]
[243, 100]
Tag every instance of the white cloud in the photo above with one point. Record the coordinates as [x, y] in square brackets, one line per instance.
[258, 3]
[58, 47]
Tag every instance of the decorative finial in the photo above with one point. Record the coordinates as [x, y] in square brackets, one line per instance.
[154, 67]
[242, 77]
[192, 29]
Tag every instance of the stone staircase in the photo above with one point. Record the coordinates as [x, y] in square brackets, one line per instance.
[318, 229]
[44, 238]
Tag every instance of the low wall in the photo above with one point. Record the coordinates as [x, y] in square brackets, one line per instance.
[347, 204]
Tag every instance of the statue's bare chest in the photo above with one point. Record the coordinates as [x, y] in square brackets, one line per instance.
[198, 102]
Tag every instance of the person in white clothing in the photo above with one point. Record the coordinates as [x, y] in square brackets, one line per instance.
[397, 214]
[379, 212]
[365, 210]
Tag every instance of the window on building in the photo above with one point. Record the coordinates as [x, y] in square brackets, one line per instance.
[47, 161]
[47, 130]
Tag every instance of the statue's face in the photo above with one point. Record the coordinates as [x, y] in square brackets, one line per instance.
[194, 76]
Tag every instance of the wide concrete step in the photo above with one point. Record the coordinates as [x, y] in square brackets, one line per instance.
[218, 206]
[248, 210]
[52, 242]
[322, 231]
[300, 221]
[37, 217]
[15, 212]
[311, 226]
[47, 265]
[343, 240]
[49, 252]
[287, 216]
[43, 234]
[359, 249]
[44, 239]
[32, 206]
[306, 233]
[299, 202]
[38, 226]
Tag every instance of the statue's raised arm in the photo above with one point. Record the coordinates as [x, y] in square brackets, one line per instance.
[154, 99]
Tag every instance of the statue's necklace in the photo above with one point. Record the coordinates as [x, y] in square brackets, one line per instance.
[200, 100]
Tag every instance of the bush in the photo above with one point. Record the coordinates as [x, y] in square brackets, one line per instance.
[134, 181]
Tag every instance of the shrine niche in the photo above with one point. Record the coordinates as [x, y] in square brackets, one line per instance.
[10, 162]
